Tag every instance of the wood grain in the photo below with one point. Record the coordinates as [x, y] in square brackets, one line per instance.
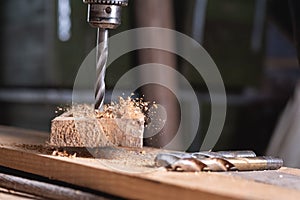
[70, 131]
[153, 183]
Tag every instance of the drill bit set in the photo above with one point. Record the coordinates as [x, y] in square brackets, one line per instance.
[216, 161]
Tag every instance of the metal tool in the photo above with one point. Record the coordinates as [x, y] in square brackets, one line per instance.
[103, 15]
[101, 60]
[217, 161]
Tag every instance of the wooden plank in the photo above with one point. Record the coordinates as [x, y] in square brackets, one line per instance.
[11, 135]
[153, 183]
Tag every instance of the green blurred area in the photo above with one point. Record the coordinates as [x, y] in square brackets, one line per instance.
[227, 38]
[70, 54]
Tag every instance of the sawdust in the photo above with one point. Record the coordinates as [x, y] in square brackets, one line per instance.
[63, 153]
[127, 108]
[120, 158]
[124, 108]
[46, 149]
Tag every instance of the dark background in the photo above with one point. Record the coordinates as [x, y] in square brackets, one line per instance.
[37, 69]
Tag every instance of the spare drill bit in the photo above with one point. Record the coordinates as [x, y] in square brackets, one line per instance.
[101, 60]
[216, 161]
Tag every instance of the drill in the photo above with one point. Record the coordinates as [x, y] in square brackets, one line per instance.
[103, 15]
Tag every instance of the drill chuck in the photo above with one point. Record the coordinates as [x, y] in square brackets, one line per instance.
[105, 14]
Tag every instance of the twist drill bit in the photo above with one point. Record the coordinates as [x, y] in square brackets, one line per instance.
[217, 161]
[104, 15]
[101, 60]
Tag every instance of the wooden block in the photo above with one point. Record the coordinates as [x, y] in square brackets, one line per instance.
[92, 129]
[89, 132]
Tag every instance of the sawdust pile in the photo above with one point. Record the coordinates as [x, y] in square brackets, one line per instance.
[125, 108]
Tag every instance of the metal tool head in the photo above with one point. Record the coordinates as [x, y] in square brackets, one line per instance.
[105, 14]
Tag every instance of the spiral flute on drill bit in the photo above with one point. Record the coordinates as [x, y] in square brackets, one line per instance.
[216, 161]
[101, 61]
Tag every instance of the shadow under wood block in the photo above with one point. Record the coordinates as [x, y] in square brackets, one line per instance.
[119, 124]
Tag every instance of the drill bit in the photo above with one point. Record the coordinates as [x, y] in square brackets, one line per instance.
[216, 161]
[101, 61]
[103, 15]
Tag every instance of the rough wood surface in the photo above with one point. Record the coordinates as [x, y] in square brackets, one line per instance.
[152, 183]
[89, 130]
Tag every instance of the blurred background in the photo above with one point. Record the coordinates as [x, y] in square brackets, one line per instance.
[252, 42]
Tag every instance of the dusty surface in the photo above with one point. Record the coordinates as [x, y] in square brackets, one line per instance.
[117, 158]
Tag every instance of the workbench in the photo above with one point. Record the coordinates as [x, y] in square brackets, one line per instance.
[132, 175]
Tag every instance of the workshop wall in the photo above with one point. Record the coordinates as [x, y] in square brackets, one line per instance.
[39, 62]
[36, 62]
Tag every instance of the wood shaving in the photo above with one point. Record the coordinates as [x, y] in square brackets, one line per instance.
[63, 153]
[124, 109]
